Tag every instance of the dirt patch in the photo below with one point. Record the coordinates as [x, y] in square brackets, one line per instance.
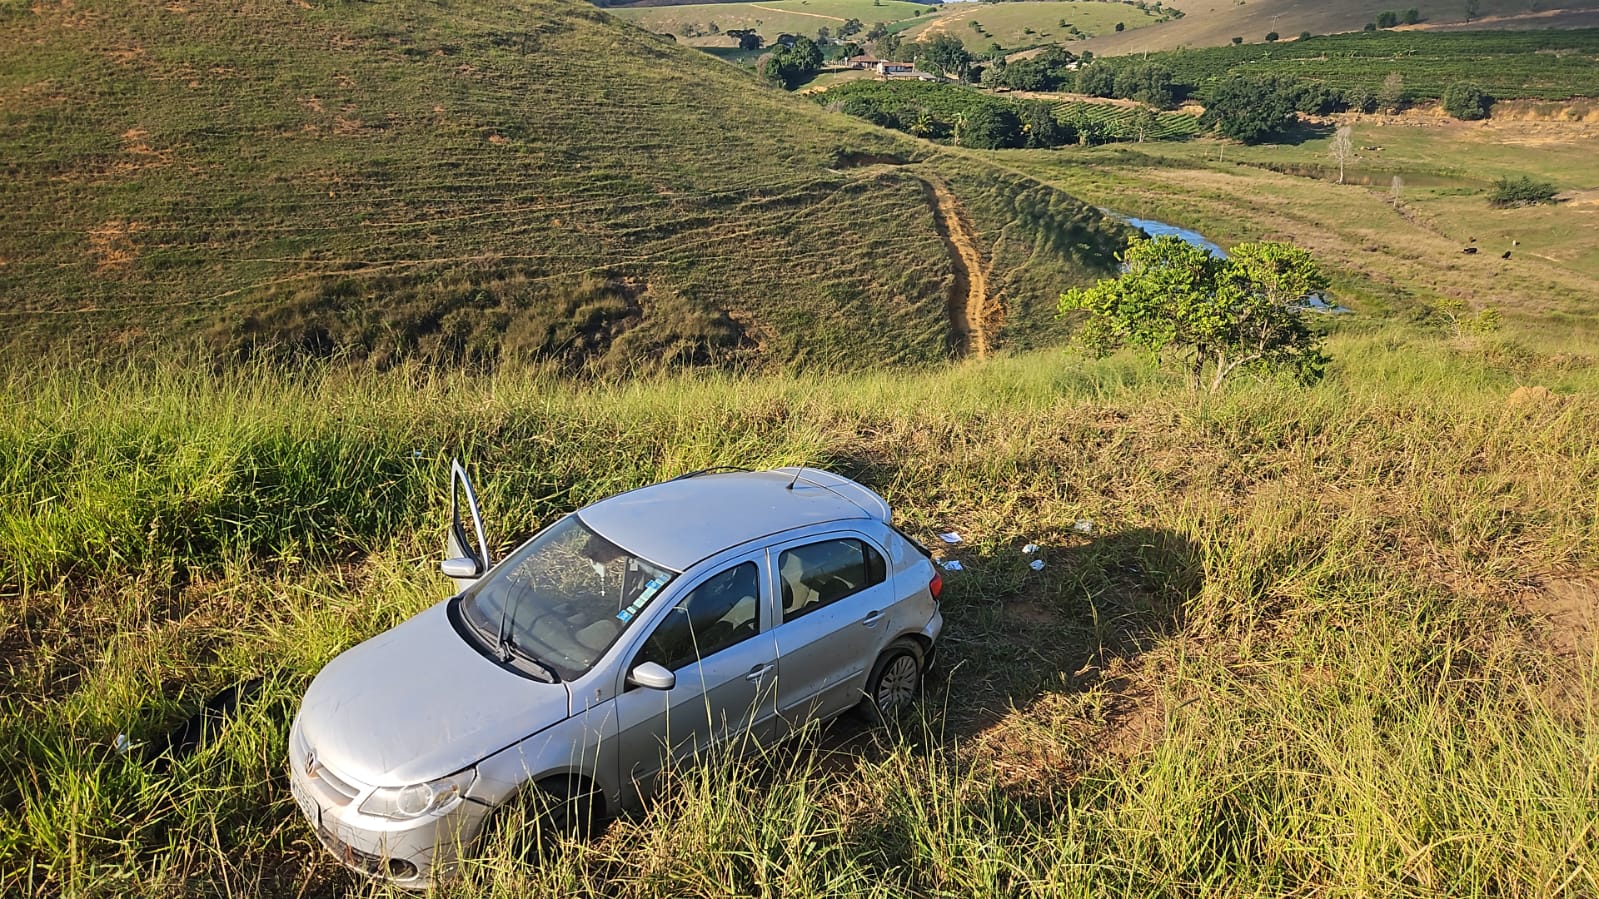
[973, 316]
[1570, 605]
[112, 244]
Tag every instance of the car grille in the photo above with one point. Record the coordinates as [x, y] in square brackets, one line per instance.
[337, 784]
[339, 790]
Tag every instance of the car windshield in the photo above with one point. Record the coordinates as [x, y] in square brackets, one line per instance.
[561, 601]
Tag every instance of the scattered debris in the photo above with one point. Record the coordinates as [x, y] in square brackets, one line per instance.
[1030, 548]
[122, 744]
[953, 565]
[1083, 526]
[1036, 565]
[952, 537]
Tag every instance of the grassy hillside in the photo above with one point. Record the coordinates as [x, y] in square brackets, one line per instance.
[692, 22]
[470, 181]
[1210, 23]
[1315, 642]
[1029, 23]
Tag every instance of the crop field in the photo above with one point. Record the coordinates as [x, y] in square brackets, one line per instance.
[1118, 119]
[1208, 23]
[469, 183]
[1524, 64]
[692, 23]
[1029, 23]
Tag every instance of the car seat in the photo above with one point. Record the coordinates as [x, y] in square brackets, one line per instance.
[796, 593]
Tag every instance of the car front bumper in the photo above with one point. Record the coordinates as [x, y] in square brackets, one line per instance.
[412, 854]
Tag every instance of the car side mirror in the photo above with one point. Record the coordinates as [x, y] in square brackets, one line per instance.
[652, 676]
[459, 569]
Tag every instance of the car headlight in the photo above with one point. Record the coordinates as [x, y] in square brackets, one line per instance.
[416, 800]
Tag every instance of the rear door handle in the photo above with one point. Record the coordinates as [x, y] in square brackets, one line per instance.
[758, 672]
[872, 618]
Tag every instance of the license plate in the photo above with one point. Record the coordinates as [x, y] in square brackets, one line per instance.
[306, 803]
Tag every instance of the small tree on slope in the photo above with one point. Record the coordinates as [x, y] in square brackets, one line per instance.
[1217, 315]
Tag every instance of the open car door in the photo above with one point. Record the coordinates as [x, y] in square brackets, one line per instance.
[466, 550]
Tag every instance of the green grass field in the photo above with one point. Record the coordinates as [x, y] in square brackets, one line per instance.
[471, 183]
[1305, 649]
[1405, 258]
[1021, 25]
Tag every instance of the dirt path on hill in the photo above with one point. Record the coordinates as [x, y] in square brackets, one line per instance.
[795, 12]
[973, 316]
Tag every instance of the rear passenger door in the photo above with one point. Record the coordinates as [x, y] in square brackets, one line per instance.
[833, 595]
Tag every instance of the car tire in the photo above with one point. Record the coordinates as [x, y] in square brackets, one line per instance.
[541, 814]
[895, 682]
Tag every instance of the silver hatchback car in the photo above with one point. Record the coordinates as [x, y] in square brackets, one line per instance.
[633, 634]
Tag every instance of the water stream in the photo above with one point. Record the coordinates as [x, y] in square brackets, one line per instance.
[1315, 302]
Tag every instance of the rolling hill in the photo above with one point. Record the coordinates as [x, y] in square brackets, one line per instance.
[466, 182]
[1213, 23]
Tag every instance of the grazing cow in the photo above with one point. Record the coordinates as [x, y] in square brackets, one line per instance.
[1469, 250]
[1506, 255]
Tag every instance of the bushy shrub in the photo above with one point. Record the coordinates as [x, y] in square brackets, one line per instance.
[1521, 191]
[1465, 100]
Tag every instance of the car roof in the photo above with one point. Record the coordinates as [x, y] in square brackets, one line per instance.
[679, 522]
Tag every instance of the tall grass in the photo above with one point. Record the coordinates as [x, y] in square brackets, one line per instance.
[1293, 654]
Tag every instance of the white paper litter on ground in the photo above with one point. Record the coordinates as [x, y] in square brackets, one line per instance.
[1083, 526]
[1030, 548]
[951, 537]
[953, 565]
[1036, 565]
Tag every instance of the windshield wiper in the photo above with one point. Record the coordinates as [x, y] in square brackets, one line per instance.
[509, 649]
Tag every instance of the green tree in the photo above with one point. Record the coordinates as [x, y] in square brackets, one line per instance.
[1248, 108]
[887, 46]
[746, 37]
[1387, 19]
[1472, 8]
[945, 53]
[1304, 35]
[1411, 16]
[1271, 37]
[1465, 100]
[989, 127]
[1237, 40]
[1148, 82]
[1213, 316]
[791, 65]
[1096, 80]
[1121, 26]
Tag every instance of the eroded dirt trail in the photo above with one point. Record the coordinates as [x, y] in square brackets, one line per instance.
[973, 316]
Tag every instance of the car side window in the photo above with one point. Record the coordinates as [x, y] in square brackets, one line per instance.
[818, 574]
[718, 613]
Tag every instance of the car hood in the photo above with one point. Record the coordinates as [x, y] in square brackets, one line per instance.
[418, 702]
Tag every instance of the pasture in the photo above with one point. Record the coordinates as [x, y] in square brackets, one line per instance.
[1029, 23]
[692, 24]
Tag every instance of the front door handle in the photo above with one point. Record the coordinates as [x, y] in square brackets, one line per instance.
[872, 618]
[758, 672]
